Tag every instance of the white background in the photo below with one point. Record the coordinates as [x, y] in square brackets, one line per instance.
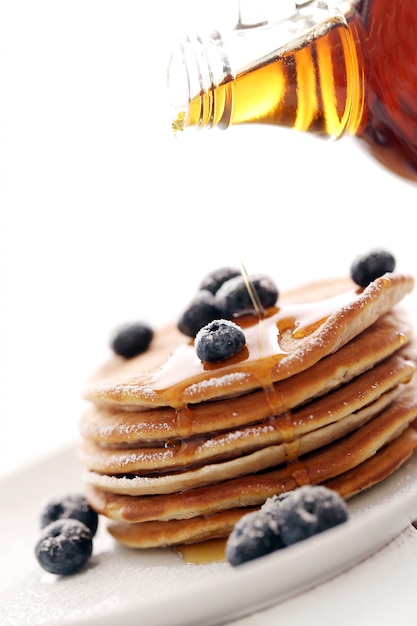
[106, 217]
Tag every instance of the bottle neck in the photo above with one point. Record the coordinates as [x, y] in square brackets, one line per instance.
[303, 71]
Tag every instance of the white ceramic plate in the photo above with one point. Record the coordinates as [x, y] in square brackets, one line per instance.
[155, 587]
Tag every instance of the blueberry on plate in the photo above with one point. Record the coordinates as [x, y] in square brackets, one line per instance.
[215, 279]
[72, 506]
[367, 267]
[132, 339]
[219, 340]
[233, 297]
[64, 547]
[254, 535]
[308, 511]
[200, 311]
[272, 506]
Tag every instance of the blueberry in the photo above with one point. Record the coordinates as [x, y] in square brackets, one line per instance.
[233, 297]
[272, 506]
[132, 339]
[72, 506]
[200, 311]
[283, 520]
[64, 547]
[219, 340]
[254, 535]
[215, 279]
[310, 510]
[367, 267]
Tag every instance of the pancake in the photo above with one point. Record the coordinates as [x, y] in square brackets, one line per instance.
[321, 318]
[221, 465]
[283, 429]
[112, 426]
[324, 392]
[250, 489]
[177, 532]
[154, 534]
[158, 534]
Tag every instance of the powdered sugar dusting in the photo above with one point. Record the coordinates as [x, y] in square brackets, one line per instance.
[121, 392]
[220, 381]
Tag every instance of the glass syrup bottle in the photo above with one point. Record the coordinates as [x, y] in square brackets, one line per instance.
[327, 67]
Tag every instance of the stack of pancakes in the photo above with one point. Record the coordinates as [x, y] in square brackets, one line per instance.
[324, 392]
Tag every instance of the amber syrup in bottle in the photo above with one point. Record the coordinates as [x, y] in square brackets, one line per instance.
[330, 69]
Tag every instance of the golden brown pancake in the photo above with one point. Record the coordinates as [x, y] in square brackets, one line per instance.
[162, 534]
[153, 534]
[290, 427]
[321, 319]
[248, 450]
[114, 426]
[252, 489]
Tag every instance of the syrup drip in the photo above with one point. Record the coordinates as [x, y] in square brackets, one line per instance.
[184, 420]
[253, 294]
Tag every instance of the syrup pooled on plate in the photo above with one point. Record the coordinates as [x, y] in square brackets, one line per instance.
[210, 551]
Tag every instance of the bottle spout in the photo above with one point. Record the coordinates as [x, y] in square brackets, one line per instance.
[179, 87]
[199, 80]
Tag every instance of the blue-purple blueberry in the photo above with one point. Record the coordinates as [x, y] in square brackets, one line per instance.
[283, 520]
[308, 511]
[367, 267]
[215, 279]
[132, 339]
[219, 340]
[254, 535]
[64, 547]
[200, 311]
[71, 506]
[233, 297]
